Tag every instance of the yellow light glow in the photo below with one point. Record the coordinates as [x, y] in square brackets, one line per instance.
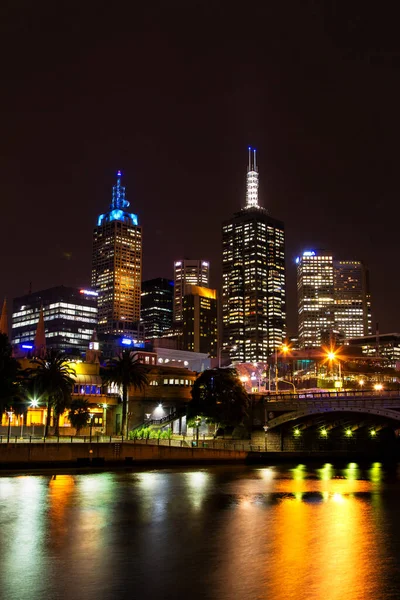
[361, 382]
[244, 378]
[378, 387]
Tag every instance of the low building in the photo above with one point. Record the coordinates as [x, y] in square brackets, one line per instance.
[70, 316]
[384, 345]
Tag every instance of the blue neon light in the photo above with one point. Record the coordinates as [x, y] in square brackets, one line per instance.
[134, 218]
[126, 341]
[311, 253]
[27, 346]
[100, 220]
[297, 260]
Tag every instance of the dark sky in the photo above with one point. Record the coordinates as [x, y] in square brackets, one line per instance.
[172, 93]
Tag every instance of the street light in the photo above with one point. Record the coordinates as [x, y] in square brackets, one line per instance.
[91, 415]
[331, 356]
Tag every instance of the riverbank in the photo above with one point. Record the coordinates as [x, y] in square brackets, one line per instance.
[23, 457]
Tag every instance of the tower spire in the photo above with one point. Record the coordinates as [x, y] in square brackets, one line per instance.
[4, 319]
[118, 195]
[252, 181]
[40, 336]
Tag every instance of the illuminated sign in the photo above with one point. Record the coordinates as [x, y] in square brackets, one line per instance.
[88, 292]
[27, 346]
[297, 260]
[126, 341]
[311, 253]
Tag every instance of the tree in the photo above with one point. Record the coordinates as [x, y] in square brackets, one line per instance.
[125, 371]
[79, 414]
[219, 397]
[9, 374]
[52, 376]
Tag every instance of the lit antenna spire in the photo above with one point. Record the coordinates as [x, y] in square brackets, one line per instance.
[252, 181]
[118, 195]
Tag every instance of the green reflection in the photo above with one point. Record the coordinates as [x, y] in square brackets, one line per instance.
[326, 472]
[299, 473]
[375, 472]
[352, 472]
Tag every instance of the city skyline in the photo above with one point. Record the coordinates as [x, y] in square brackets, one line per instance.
[325, 125]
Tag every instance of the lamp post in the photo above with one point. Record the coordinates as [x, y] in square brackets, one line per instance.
[9, 414]
[331, 356]
[22, 425]
[91, 415]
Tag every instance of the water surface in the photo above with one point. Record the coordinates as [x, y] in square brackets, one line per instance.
[228, 532]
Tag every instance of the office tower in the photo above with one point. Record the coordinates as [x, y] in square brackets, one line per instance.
[188, 272]
[70, 316]
[200, 320]
[117, 266]
[253, 263]
[315, 296]
[352, 298]
[157, 306]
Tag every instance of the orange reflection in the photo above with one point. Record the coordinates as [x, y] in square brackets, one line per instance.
[60, 489]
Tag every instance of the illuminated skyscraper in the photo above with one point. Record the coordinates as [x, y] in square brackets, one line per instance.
[315, 294]
[200, 320]
[157, 302]
[352, 298]
[332, 295]
[188, 272]
[117, 266]
[253, 263]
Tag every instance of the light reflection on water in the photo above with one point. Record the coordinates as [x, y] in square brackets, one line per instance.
[221, 532]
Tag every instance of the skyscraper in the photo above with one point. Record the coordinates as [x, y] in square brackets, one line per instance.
[200, 320]
[188, 272]
[332, 295]
[352, 298]
[253, 263]
[315, 296]
[117, 265]
[157, 306]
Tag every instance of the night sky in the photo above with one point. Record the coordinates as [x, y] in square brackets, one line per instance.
[172, 93]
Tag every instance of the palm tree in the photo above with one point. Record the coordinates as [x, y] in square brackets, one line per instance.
[52, 376]
[125, 371]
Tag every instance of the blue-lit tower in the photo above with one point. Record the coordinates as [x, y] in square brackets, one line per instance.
[117, 265]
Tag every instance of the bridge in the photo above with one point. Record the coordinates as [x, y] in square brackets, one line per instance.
[316, 420]
[283, 408]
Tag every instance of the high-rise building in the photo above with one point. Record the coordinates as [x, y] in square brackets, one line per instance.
[70, 316]
[188, 272]
[333, 298]
[117, 266]
[352, 298]
[157, 306]
[315, 296]
[253, 262]
[200, 320]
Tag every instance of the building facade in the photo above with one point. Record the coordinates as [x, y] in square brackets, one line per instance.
[333, 298]
[157, 306]
[352, 298]
[200, 320]
[254, 291]
[70, 316]
[117, 266]
[188, 272]
[315, 296]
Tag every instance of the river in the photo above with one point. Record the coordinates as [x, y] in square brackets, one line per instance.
[227, 532]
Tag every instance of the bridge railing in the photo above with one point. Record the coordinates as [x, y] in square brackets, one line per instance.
[354, 394]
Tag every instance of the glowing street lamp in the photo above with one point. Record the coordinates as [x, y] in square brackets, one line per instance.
[378, 387]
[361, 382]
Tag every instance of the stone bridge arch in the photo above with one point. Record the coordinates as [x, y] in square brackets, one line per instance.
[314, 410]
